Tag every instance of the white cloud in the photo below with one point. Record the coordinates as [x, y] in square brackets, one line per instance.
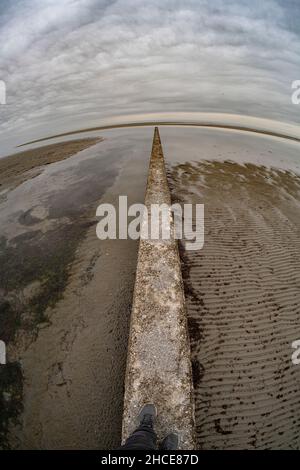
[73, 63]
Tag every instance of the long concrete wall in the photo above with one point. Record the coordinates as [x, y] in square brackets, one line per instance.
[158, 364]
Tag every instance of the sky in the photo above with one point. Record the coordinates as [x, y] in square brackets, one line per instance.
[71, 64]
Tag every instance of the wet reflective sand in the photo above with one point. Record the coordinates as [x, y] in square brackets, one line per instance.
[68, 355]
[243, 296]
[65, 299]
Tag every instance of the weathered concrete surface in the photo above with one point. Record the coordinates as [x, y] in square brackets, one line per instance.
[158, 364]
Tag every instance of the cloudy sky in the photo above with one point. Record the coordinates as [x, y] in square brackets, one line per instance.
[71, 64]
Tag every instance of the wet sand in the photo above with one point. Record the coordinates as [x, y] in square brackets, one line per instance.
[65, 297]
[243, 297]
[65, 300]
[17, 168]
[73, 398]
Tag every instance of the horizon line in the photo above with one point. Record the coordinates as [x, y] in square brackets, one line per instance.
[167, 123]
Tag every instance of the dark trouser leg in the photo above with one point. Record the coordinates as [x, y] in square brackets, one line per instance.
[143, 438]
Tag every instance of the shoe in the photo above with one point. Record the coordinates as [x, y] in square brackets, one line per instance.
[147, 415]
[170, 442]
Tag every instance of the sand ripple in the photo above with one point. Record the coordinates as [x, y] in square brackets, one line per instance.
[243, 300]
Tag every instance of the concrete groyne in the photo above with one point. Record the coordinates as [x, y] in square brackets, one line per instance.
[158, 364]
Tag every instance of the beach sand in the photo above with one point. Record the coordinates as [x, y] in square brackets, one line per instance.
[17, 168]
[65, 296]
[243, 296]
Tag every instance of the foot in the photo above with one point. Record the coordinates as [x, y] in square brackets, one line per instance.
[170, 442]
[147, 415]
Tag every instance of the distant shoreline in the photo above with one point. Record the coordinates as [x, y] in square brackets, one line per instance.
[18, 167]
[167, 123]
